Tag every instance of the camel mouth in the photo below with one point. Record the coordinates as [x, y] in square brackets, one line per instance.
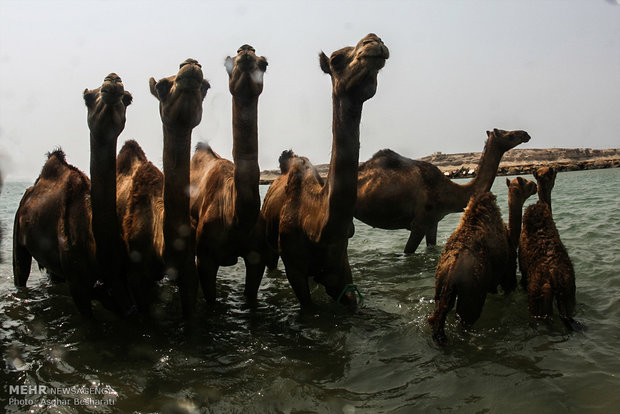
[111, 94]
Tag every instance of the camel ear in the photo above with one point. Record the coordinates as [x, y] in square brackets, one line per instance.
[229, 64]
[127, 98]
[535, 174]
[262, 63]
[205, 87]
[520, 180]
[89, 98]
[489, 134]
[152, 84]
[160, 89]
[507, 182]
[324, 60]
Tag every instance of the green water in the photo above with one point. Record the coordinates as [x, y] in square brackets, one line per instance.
[378, 359]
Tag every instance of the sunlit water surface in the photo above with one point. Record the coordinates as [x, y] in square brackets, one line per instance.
[378, 359]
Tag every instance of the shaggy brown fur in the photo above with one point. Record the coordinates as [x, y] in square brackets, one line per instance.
[394, 192]
[476, 259]
[315, 219]
[52, 225]
[276, 197]
[142, 220]
[546, 268]
[180, 108]
[130, 157]
[225, 197]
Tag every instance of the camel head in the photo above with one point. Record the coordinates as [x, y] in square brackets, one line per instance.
[520, 189]
[545, 177]
[505, 140]
[107, 106]
[180, 96]
[245, 72]
[354, 69]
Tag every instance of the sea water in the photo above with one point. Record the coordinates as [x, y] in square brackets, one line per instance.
[380, 358]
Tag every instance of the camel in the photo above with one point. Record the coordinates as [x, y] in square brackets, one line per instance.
[478, 257]
[53, 226]
[106, 107]
[316, 220]
[225, 200]
[546, 269]
[275, 198]
[140, 207]
[394, 192]
[180, 107]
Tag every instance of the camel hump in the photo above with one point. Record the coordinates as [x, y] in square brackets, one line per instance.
[56, 165]
[285, 160]
[147, 178]
[128, 155]
[206, 148]
[388, 159]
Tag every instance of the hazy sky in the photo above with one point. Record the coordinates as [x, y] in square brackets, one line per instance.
[457, 68]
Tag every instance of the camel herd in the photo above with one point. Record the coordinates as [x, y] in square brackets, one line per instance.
[113, 236]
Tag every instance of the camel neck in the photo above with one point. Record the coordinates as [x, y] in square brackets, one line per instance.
[176, 172]
[487, 169]
[245, 156]
[103, 195]
[341, 184]
[515, 217]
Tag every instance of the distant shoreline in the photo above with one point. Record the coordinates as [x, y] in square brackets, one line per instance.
[514, 162]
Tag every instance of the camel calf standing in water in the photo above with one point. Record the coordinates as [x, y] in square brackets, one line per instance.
[478, 257]
[547, 271]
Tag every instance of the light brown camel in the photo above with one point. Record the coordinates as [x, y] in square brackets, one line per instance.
[478, 257]
[140, 205]
[225, 194]
[394, 192]
[107, 106]
[546, 269]
[316, 220]
[53, 226]
[275, 198]
[180, 107]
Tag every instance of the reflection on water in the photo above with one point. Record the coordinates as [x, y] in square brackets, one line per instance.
[380, 358]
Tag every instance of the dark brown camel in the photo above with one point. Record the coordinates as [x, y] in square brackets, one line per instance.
[316, 220]
[53, 226]
[394, 192]
[546, 269]
[180, 107]
[140, 186]
[478, 257]
[275, 198]
[228, 216]
[107, 106]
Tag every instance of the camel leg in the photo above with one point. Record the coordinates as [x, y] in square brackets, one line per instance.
[431, 234]
[254, 269]
[22, 260]
[415, 237]
[540, 300]
[207, 271]
[445, 296]
[299, 283]
[469, 305]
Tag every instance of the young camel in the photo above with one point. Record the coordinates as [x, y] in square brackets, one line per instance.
[316, 220]
[546, 269]
[478, 257]
[225, 200]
